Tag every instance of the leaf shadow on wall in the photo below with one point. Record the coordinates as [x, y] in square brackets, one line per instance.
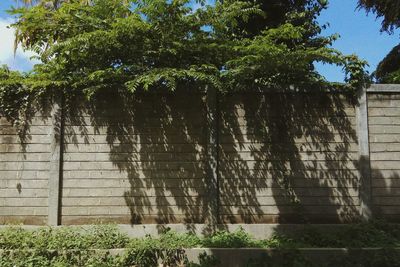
[156, 148]
[283, 157]
[289, 158]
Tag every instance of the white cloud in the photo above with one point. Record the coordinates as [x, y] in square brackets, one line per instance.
[22, 60]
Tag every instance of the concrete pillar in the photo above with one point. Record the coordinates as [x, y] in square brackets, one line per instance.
[364, 155]
[212, 155]
[56, 147]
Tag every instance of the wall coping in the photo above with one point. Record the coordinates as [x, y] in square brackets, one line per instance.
[384, 88]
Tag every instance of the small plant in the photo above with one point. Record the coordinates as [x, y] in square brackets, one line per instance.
[88, 246]
[237, 239]
[96, 237]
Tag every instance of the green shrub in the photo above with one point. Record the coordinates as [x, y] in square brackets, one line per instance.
[44, 258]
[78, 246]
[373, 234]
[95, 237]
[237, 239]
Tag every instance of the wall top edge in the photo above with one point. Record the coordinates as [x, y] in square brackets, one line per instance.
[384, 88]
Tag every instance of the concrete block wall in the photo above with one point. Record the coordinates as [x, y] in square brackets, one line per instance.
[142, 164]
[24, 171]
[202, 158]
[384, 137]
[288, 158]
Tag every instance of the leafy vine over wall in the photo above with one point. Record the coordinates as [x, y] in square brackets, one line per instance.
[88, 46]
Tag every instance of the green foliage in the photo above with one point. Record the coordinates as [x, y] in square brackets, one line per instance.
[162, 45]
[224, 239]
[96, 237]
[148, 252]
[389, 10]
[12, 93]
[374, 234]
[388, 70]
[43, 258]
[278, 12]
[76, 246]
[72, 246]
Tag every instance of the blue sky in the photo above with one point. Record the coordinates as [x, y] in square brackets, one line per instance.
[360, 34]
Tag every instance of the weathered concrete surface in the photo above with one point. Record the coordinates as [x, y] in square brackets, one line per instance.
[319, 158]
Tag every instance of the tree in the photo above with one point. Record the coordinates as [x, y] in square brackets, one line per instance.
[50, 3]
[159, 44]
[388, 70]
[389, 10]
[278, 12]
